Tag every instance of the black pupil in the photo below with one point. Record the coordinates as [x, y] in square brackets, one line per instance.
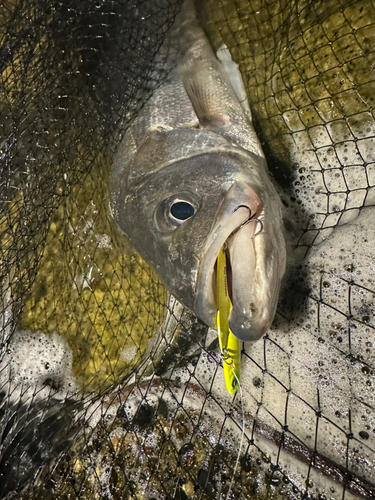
[182, 210]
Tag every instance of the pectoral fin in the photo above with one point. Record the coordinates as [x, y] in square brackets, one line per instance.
[203, 86]
[215, 88]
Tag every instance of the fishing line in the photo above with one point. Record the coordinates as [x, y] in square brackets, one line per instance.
[241, 441]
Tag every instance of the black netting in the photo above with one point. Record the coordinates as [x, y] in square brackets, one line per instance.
[308, 69]
[108, 387]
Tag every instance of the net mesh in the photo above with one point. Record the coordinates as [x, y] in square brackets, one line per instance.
[108, 387]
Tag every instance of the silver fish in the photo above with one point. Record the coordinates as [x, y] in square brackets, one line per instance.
[186, 176]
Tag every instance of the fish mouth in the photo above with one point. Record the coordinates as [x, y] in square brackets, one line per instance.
[248, 319]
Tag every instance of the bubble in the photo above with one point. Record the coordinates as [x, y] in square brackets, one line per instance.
[364, 435]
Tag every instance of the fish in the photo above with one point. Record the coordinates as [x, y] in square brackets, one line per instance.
[187, 174]
[305, 411]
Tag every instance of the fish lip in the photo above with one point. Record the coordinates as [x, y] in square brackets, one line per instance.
[205, 302]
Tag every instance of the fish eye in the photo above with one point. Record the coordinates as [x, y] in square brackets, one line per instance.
[172, 212]
[182, 210]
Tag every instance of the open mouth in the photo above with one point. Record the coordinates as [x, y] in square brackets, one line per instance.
[240, 266]
[228, 276]
[254, 264]
[240, 261]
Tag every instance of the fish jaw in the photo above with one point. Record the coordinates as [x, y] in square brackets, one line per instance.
[257, 270]
[256, 256]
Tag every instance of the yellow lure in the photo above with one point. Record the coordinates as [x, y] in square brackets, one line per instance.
[230, 346]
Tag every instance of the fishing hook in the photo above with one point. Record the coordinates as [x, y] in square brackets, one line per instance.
[246, 221]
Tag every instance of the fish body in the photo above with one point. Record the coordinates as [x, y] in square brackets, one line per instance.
[186, 176]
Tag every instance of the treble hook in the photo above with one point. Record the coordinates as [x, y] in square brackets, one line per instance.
[246, 221]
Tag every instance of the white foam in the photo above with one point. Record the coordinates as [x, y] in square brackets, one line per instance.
[36, 364]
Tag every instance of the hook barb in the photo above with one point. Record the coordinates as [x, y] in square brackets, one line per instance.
[250, 218]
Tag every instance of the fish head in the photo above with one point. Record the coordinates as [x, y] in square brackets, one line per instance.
[179, 215]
